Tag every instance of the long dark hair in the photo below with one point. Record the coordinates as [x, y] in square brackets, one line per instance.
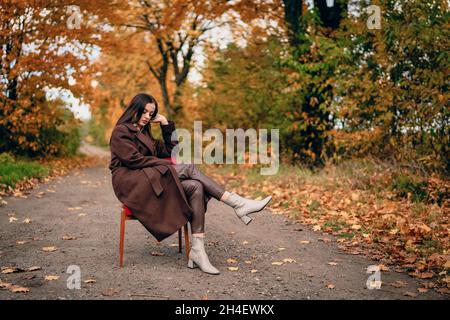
[136, 108]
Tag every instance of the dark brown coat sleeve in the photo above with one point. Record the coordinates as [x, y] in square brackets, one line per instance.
[125, 149]
[164, 148]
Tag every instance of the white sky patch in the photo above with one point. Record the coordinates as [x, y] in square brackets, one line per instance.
[80, 110]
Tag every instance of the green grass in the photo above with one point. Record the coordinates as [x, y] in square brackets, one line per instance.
[13, 172]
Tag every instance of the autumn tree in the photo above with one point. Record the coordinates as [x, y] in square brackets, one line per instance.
[44, 44]
[394, 84]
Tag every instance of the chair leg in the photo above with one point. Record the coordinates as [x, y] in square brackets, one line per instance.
[186, 240]
[122, 235]
[179, 241]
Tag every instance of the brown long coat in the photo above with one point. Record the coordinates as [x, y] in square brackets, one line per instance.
[145, 183]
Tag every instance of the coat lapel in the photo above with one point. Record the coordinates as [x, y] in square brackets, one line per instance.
[145, 139]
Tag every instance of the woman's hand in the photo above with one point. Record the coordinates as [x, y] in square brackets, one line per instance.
[160, 119]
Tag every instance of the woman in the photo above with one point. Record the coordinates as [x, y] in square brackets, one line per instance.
[163, 196]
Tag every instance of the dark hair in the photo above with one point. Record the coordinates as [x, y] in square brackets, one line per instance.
[136, 108]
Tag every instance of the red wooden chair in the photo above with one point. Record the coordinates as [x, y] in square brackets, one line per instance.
[126, 214]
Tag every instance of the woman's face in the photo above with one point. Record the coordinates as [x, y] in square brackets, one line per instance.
[147, 114]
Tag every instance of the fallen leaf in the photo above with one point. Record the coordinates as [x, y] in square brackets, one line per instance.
[410, 294]
[383, 267]
[5, 285]
[66, 237]
[33, 268]
[422, 290]
[331, 286]
[332, 263]
[82, 215]
[305, 241]
[422, 275]
[233, 268]
[231, 260]
[244, 242]
[253, 271]
[12, 219]
[447, 264]
[51, 278]
[110, 292]
[277, 263]
[49, 249]
[90, 281]
[281, 249]
[19, 289]
[21, 242]
[27, 220]
[398, 284]
[7, 270]
[248, 262]
[74, 208]
[289, 260]
[317, 228]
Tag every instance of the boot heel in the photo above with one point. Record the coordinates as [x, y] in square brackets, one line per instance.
[246, 219]
[191, 264]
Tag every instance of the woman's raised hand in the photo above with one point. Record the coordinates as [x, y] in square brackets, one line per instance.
[160, 119]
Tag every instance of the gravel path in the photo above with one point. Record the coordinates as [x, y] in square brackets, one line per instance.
[82, 205]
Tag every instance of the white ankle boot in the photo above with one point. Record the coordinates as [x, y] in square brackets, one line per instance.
[198, 257]
[243, 206]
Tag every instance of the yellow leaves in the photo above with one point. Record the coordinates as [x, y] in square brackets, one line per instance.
[384, 268]
[233, 268]
[49, 249]
[280, 263]
[12, 219]
[398, 284]
[231, 261]
[34, 268]
[253, 271]
[51, 278]
[8, 270]
[354, 196]
[18, 289]
[74, 208]
[67, 237]
[305, 241]
[90, 281]
[27, 220]
[331, 286]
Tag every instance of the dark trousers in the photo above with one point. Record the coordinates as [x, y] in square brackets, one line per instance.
[196, 185]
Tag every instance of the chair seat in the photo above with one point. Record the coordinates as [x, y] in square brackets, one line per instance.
[128, 212]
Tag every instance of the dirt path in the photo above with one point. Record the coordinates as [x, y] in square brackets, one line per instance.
[83, 205]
